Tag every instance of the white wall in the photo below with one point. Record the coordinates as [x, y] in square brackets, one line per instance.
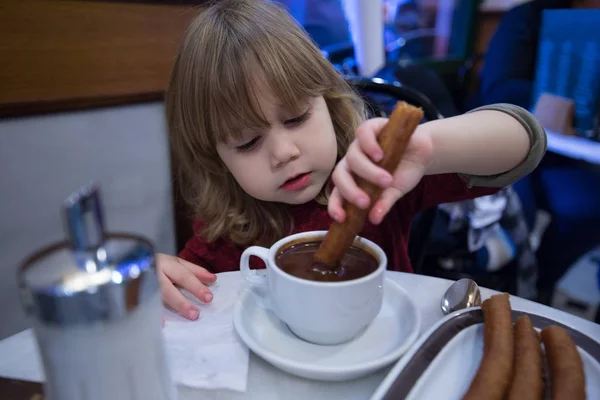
[501, 5]
[44, 158]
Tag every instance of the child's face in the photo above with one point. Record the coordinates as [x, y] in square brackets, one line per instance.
[289, 161]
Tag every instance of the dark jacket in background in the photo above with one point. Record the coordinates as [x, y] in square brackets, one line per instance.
[509, 68]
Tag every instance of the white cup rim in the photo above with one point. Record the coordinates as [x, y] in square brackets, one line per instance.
[374, 248]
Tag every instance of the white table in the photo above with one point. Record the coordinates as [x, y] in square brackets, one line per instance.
[266, 382]
[574, 147]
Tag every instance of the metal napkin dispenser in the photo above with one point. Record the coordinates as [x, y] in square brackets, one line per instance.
[96, 309]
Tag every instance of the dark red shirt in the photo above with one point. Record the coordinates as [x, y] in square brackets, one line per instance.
[391, 235]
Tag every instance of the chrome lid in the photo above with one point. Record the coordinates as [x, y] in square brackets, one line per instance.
[91, 277]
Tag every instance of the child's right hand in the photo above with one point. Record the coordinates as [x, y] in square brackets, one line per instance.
[175, 271]
[360, 160]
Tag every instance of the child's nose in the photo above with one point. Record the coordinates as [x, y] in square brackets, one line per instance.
[283, 150]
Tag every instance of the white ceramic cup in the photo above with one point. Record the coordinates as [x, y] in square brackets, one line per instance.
[319, 312]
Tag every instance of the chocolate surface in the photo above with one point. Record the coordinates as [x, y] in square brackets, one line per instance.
[297, 260]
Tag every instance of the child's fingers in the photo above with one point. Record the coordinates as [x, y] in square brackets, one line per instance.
[407, 177]
[361, 165]
[345, 184]
[366, 134]
[174, 299]
[384, 204]
[334, 206]
[202, 274]
[187, 280]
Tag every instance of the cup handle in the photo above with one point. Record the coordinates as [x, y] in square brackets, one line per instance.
[256, 277]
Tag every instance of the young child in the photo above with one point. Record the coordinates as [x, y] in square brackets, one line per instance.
[266, 136]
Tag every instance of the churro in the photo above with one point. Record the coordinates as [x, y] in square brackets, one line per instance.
[567, 378]
[528, 381]
[393, 140]
[494, 375]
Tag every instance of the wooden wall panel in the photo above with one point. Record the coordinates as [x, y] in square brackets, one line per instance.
[58, 55]
[67, 54]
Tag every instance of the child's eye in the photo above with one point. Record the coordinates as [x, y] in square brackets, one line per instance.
[247, 146]
[298, 120]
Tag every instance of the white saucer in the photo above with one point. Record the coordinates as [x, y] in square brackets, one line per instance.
[391, 333]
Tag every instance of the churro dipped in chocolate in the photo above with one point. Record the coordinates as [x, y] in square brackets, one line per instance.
[528, 381]
[393, 140]
[496, 369]
[567, 378]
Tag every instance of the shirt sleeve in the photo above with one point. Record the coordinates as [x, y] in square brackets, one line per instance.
[217, 256]
[197, 252]
[537, 148]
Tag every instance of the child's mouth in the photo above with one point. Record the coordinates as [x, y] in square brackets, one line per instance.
[297, 183]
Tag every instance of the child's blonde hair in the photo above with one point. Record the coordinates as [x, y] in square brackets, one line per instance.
[211, 98]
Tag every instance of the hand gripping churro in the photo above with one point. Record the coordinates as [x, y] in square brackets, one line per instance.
[528, 381]
[393, 140]
[567, 379]
[495, 371]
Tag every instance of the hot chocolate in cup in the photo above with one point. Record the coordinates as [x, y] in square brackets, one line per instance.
[320, 309]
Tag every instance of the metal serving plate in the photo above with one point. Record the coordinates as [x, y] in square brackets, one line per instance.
[403, 377]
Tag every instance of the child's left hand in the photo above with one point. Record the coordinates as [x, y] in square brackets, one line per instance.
[360, 159]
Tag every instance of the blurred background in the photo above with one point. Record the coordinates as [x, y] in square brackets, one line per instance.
[81, 86]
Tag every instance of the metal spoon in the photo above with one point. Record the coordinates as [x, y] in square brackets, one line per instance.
[463, 293]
